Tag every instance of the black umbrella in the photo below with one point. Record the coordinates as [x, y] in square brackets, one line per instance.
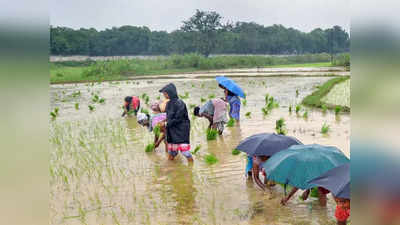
[266, 144]
[336, 180]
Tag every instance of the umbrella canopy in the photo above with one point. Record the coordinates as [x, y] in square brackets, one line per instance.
[230, 85]
[336, 180]
[266, 144]
[301, 163]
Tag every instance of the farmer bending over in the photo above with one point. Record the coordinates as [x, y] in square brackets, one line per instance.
[215, 111]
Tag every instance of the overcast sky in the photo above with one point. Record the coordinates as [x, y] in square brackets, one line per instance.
[168, 15]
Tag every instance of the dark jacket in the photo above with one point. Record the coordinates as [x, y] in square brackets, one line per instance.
[178, 123]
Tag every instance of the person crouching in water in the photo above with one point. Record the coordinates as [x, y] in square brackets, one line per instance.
[154, 121]
[131, 105]
[215, 111]
[178, 124]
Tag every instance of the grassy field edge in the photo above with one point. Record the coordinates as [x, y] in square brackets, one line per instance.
[314, 99]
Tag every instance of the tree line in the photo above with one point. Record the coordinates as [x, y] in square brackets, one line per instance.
[203, 33]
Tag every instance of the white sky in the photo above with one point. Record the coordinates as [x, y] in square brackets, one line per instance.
[168, 15]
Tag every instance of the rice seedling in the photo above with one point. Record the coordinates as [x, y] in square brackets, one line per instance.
[184, 96]
[56, 109]
[338, 109]
[211, 134]
[305, 114]
[76, 94]
[298, 108]
[145, 111]
[231, 122]
[53, 115]
[280, 126]
[191, 106]
[290, 108]
[197, 149]
[235, 152]
[210, 159]
[244, 102]
[77, 106]
[146, 99]
[265, 111]
[95, 98]
[202, 85]
[211, 96]
[158, 98]
[325, 128]
[266, 98]
[324, 108]
[297, 93]
[157, 130]
[91, 107]
[102, 100]
[202, 100]
[314, 192]
[149, 147]
[248, 114]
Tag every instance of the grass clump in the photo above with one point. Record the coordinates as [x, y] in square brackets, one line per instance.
[325, 128]
[149, 148]
[210, 159]
[231, 122]
[211, 134]
[235, 152]
[280, 126]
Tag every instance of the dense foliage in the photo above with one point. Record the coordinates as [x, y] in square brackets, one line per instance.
[203, 33]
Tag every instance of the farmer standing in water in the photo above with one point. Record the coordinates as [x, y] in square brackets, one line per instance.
[178, 124]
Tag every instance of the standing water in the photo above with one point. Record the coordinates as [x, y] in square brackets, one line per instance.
[101, 174]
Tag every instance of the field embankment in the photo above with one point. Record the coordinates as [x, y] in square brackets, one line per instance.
[122, 69]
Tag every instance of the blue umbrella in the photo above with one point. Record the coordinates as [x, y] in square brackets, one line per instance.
[336, 180]
[266, 144]
[301, 163]
[231, 86]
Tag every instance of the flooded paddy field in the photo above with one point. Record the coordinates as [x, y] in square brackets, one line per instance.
[101, 174]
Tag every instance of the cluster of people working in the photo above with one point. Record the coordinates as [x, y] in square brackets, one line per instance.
[171, 118]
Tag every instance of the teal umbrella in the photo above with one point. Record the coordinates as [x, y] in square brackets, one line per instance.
[300, 163]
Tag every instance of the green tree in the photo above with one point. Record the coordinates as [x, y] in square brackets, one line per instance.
[205, 25]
